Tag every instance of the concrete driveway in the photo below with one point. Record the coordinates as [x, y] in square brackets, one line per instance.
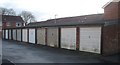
[19, 52]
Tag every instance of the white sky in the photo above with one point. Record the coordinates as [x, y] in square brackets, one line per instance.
[47, 9]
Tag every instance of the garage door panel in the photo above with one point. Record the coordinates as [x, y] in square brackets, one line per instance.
[68, 38]
[24, 35]
[6, 34]
[52, 37]
[32, 36]
[14, 34]
[41, 36]
[10, 34]
[3, 33]
[90, 39]
[18, 34]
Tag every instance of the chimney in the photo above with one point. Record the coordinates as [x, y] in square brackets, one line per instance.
[112, 10]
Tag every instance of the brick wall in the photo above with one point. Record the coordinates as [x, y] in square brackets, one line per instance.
[4, 25]
[111, 11]
[110, 40]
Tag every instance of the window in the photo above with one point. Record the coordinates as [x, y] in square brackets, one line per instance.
[18, 24]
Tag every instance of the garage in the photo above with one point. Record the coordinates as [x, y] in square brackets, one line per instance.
[24, 35]
[18, 34]
[3, 34]
[90, 39]
[41, 36]
[32, 36]
[10, 34]
[6, 34]
[68, 38]
[14, 34]
[52, 37]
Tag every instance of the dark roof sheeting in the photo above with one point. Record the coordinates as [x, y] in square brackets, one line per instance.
[9, 18]
[87, 19]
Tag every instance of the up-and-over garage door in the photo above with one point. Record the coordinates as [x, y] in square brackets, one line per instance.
[90, 39]
[10, 36]
[32, 36]
[68, 38]
[41, 36]
[24, 35]
[3, 33]
[52, 37]
[6, 34]
[18, 34]
[14, 34]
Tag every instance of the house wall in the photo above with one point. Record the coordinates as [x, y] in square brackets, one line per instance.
[110, 40]
[4, 25]
[112, 10]
[11, 24]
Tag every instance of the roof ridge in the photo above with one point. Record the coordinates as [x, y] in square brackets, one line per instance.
[76, 16]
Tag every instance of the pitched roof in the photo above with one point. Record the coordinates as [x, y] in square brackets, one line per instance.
[9, 18]
[86, 19]
[111, 1]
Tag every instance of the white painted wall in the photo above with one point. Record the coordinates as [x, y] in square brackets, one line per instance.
[24, 35]
[90, 39]
[68, 38]
[32, 36]
[6, 35]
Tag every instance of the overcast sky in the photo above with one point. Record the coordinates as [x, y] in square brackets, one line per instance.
[47, 9]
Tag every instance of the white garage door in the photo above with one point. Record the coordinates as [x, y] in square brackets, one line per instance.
[68, 38]
[52, 37]
[6, 35]
[14, 34]
[41, 36]
[24, 35]
[3, 33]
[32, 35]
[90, 39]
[18, 34]
[10, 34]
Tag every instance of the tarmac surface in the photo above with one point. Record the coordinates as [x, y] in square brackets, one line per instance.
[20, 52]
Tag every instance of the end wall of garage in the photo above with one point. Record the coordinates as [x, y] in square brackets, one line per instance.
[110, 39]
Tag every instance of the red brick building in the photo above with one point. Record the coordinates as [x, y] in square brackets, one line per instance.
[111, 33]
[111, 10]
[9, 21]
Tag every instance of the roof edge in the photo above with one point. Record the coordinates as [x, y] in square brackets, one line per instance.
[110, 3]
